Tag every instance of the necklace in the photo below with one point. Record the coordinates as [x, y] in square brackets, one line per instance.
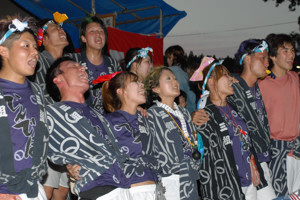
[180, 129]
[176, 113]
[232, 121]
[196, 154]
[243, 142]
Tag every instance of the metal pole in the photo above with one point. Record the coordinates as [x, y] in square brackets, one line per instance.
[93, 7]
[160, 23]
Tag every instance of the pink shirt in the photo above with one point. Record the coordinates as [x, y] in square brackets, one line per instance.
[282, 100]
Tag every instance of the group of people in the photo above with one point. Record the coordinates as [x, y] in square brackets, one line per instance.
[82, 122]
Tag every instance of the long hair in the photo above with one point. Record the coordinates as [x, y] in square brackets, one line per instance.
[179, 57]
[216, 74]
[111, 99]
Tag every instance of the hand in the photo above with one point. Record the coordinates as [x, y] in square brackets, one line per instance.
[73, 172]
[143, 111]
[199, 117]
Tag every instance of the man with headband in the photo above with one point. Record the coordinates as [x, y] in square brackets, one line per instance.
[52, 40]
[252, 56]
[281, 94]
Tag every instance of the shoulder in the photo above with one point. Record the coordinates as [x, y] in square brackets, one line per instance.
[184, 111]
[153, 111]
[35, 85]
[112, 117]
[53, 106]
[109, 60]
[154, 108]
[293, 75]
[264, 81]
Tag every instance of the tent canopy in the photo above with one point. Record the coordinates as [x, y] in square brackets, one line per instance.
[137, 16]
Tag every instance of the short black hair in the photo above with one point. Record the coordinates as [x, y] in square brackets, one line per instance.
[277, 40]
[246, 47]
[52, 72]
[88, 20]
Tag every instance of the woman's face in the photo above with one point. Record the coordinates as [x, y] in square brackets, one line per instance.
[143, 69]
[134, 92]
[21, 57]
[170, 58]
[168, 86]
[224, 85]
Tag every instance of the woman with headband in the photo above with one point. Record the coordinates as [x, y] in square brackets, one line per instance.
[24, 133]
[139, 61]
[230, 169]
[121, 96]
[171, 140]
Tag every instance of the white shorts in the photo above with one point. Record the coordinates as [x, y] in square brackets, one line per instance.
[172, 185]
[266, 193]
[116, 194]
[55, 178]
[143, 192]
[293, 174]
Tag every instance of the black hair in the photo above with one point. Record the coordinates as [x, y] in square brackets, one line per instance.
[52, 72]
[4, 27]
[179, 57]
[88, 20]
[131, 53]
[277, 40]
[246, 47]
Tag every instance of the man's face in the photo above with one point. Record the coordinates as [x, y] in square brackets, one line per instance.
[94, 37]
[55, 36]
[259, 63]
[285, 57]
[74, 76]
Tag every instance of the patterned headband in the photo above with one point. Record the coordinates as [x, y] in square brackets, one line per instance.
[142, 53]
[202, 101]
[259, 48]
[58, 18]
[209, 72]
[16, 25]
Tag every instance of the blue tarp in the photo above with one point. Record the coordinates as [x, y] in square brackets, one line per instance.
[137, 16]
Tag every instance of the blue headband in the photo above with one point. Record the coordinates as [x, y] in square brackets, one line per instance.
[16, 25]
[142, 53]
[259, 48]
[202, 101]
